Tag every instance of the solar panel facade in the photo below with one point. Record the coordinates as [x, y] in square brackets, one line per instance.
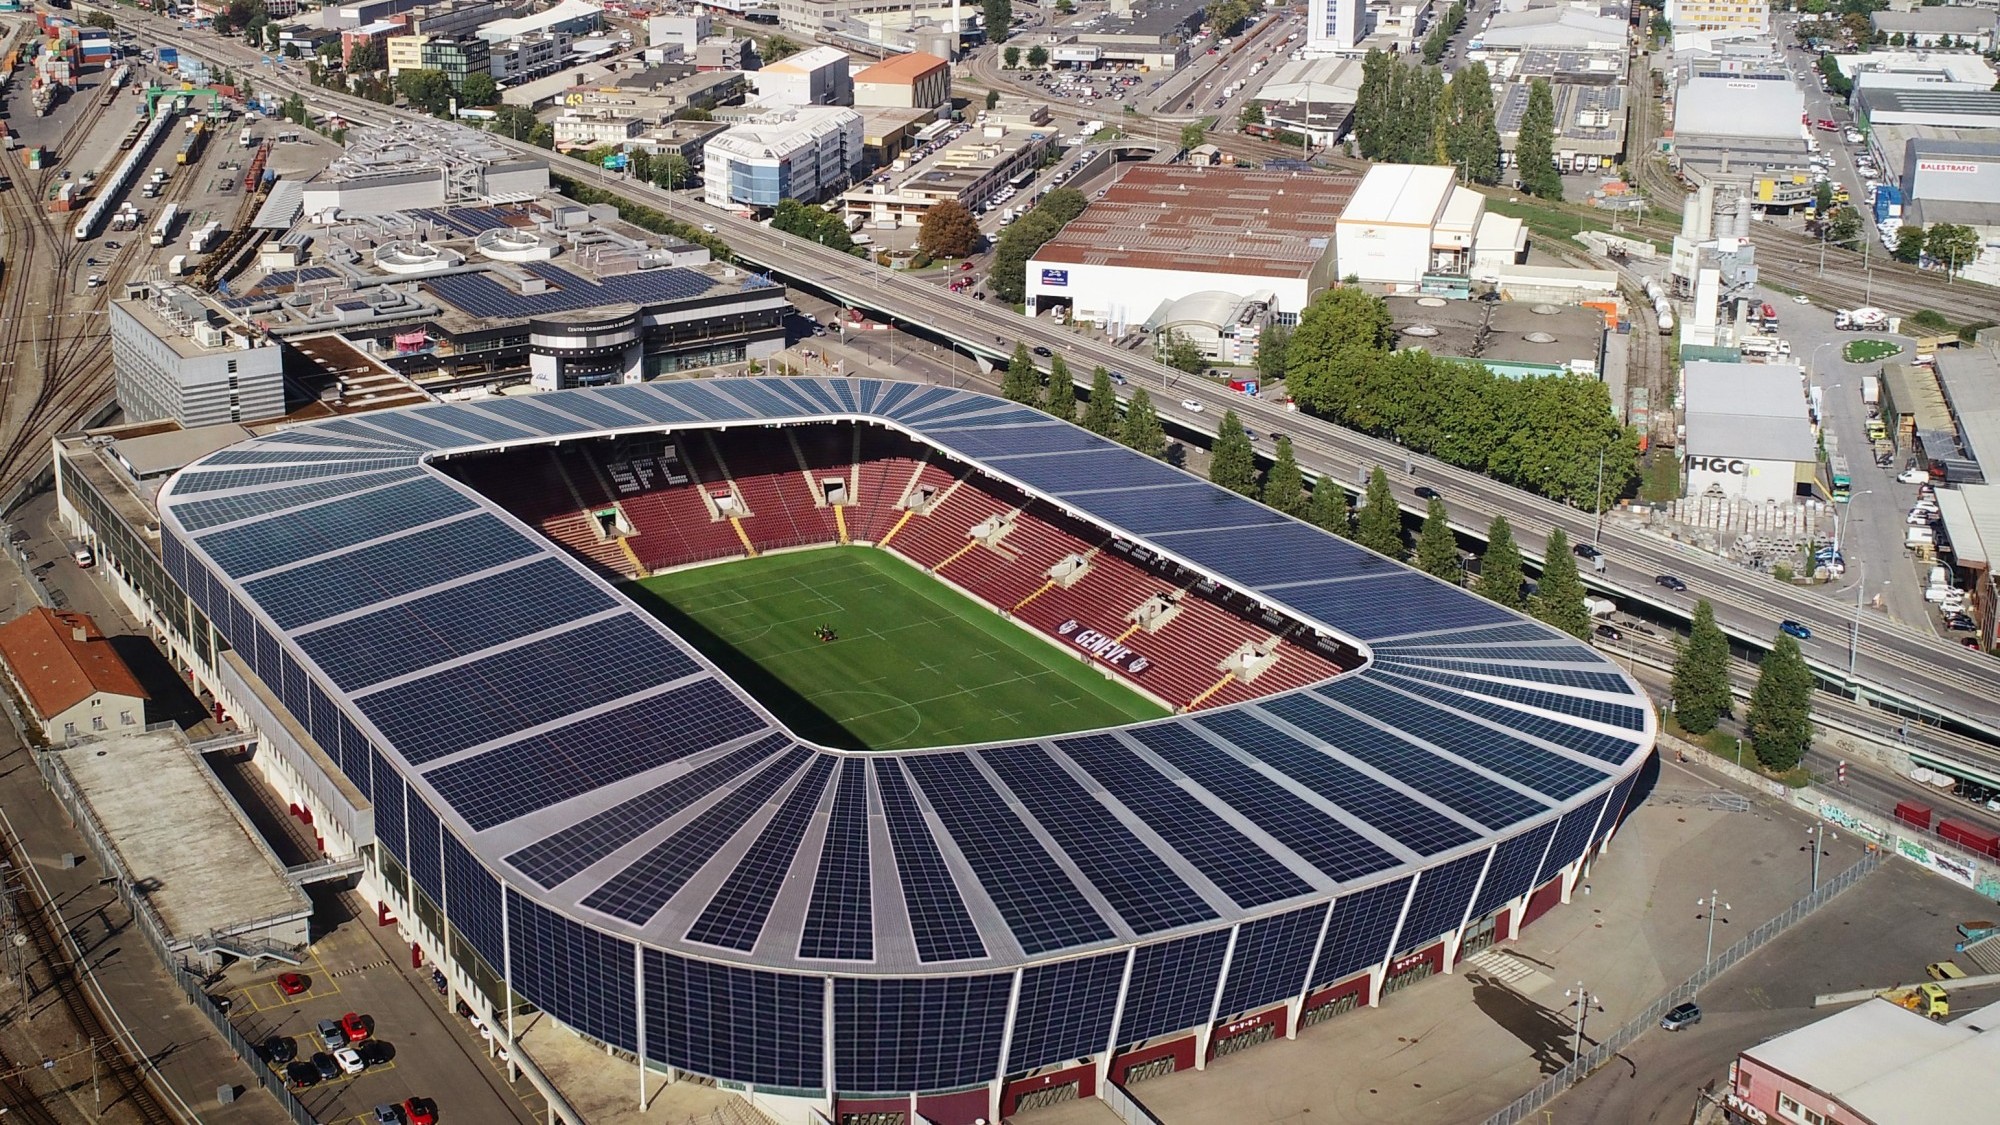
[625, 836]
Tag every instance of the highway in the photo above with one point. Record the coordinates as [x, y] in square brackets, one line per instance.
[1933, 679]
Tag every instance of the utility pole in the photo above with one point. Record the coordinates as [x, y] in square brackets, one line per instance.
[1584, 1000]
[1818, 834]
[13, 939]
[1597, 537]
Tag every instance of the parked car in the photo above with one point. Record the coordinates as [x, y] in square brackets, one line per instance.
[420, 1111]
[330, 1035]
[1960, 623]
[349, 1061]
[387, 1115]
[1913, 476]
[301, 1075]
[291, 984]
[357, 1027]
[323, 1064]
[279, 1050]
[1794, 629]
[1681, 1016]
[1670, 582]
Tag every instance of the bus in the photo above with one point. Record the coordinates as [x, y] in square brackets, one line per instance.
[1843, 481]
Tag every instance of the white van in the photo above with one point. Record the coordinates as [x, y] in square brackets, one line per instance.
[1919, 535]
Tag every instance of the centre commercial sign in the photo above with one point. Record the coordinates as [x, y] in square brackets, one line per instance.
[1106, 649]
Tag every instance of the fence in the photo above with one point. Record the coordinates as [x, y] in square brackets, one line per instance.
[148, 923]
[1128, 1108]
[1608, 1048]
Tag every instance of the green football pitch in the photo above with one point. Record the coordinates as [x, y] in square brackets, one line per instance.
[916, 663]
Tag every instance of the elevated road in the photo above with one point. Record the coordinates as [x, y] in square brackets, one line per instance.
[1931, 680]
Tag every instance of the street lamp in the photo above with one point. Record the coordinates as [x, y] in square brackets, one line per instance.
[1812, 363]
[1584, 1002]
[1711, 904]
[1817, 834]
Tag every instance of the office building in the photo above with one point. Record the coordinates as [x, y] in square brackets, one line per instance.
[176, 356]
[808, 153]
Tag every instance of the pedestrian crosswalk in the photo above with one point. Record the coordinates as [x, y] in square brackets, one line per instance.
[1505, 968]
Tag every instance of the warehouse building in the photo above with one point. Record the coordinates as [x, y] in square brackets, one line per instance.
[1178, 247]
[1877, 1063]
[808, 153]
[1877, 105]
[1743, 130]
[970, 170]
[1411, 226]
[1559, 28]
[1968, 26]
[815, 76]
[73, 680]
[1748, 436]
[1948, 181]
[177, 356]
[422, 164]
[913, 80]
[1513, 339]
[1589, 120]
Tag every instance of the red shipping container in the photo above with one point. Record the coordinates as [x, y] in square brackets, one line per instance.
[1969, 837]
[1909, 812]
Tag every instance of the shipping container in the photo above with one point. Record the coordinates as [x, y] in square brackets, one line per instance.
[1970, 837]
[1912, 813]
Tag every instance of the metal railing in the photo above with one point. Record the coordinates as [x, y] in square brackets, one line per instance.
[1128, 1108]
[1604, 1050]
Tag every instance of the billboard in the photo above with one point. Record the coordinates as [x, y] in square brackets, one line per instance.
[1055, 279]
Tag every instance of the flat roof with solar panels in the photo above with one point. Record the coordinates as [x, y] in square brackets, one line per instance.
[619, 828]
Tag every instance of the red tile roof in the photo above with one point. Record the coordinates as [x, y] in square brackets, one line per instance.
[60, 659]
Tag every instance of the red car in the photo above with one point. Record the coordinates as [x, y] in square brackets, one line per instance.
[965, 267]
[420, 1111]
[1829, 125]
[291, 984]
[356, 1027]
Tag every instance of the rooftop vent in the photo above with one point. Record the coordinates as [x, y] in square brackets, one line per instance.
[1539, 338]
[1423, 330]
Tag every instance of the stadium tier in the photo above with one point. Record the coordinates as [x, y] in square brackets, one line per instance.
[1368, 773]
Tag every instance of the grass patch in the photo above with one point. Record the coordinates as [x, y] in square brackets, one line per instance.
[916, 662]
[1560, 222]
[1660, 480]
[1868, 351]
[1724, 745]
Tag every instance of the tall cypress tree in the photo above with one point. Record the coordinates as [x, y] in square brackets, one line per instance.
[1535, 149]
[1231, 462]
[1378, 526]
[1780, 716]
[1701, 673]
[1559, 600]
[1437, 547]
[1284, 485]
[1100, 417]
[1500, 576]
[1328, 510]
[1022, 383]
[1062, 391]
[1142, 430]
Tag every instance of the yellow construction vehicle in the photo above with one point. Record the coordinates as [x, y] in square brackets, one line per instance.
[1925, 999]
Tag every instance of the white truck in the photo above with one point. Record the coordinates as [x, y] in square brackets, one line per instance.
[1864, 319]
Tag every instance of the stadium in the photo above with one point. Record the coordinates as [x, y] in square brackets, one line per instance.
[875, 748]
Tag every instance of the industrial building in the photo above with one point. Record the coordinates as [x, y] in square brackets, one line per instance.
[1944, 180]
[809, 153]
[1444, 813]
[1744, 130]
[1589, 124]
[1718, 15]
[1411, 226]
[970, 170]
[814, 76]
[1876, 105]
[1877, 1063]
[422, 164]
[1154, 36]
[570, 18]
[554, 292]
[177, 356]
[72, 679]
[1335, 27]
[1967, 27]
[1748, 435]
[912, 80]
[1562, 28]
[1212, 237]
[1513, 339]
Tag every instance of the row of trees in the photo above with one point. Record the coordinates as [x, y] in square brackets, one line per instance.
[1038, 57]
[815, 224]
[1406, 113]
[1949, 245]
[1008, 279]
[1535, 148]
[1779, 722]
[1439, 38]
[1544, 434]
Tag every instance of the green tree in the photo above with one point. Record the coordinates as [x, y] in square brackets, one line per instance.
[1910, 240]
[803, 220]
[1842, 227]
[479, 90]
[1500, 577]
[543, 135]
[1701, 673]
[1952, 246]
[1065, 7]
[1823, 198]
[776, 47]
[1780, 719]
[425, 89]
[1341, 336]
[1008, 277]
[1061, 401]
[1471, 135]
[1038, 57]
[1378, 525]
[1534, 151]
[672, 171]
[999, 19]
[1232, 463]
[1328, 508]
[1284, 484]
[1193, 135]
[100, 19]
[948, 230]
[1226, 16]
[1437, 547]
[1272, 343]
[1181, 353]
[366, 57]
[1559, 598]
[1022, 383]
[1142, 430]
[1100, 416]
[1253, 114]
[1012, 58]
[993, 96]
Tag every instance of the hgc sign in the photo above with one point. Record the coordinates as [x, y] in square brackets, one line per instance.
[1730, 465]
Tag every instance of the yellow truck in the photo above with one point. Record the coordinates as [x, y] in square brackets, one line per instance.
[1924, 999]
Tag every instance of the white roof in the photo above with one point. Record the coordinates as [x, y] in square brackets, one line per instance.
[1755, 411]
[776, 135]
[499, 31]
[1891, 1065]
[1553, 27]
[1736, 105]
[1401, 195]
[808, 60]
[1462, 211]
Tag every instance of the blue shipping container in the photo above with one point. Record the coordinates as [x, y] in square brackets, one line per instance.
[1886, 196]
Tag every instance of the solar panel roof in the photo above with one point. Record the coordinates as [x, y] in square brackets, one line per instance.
[596, 763]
